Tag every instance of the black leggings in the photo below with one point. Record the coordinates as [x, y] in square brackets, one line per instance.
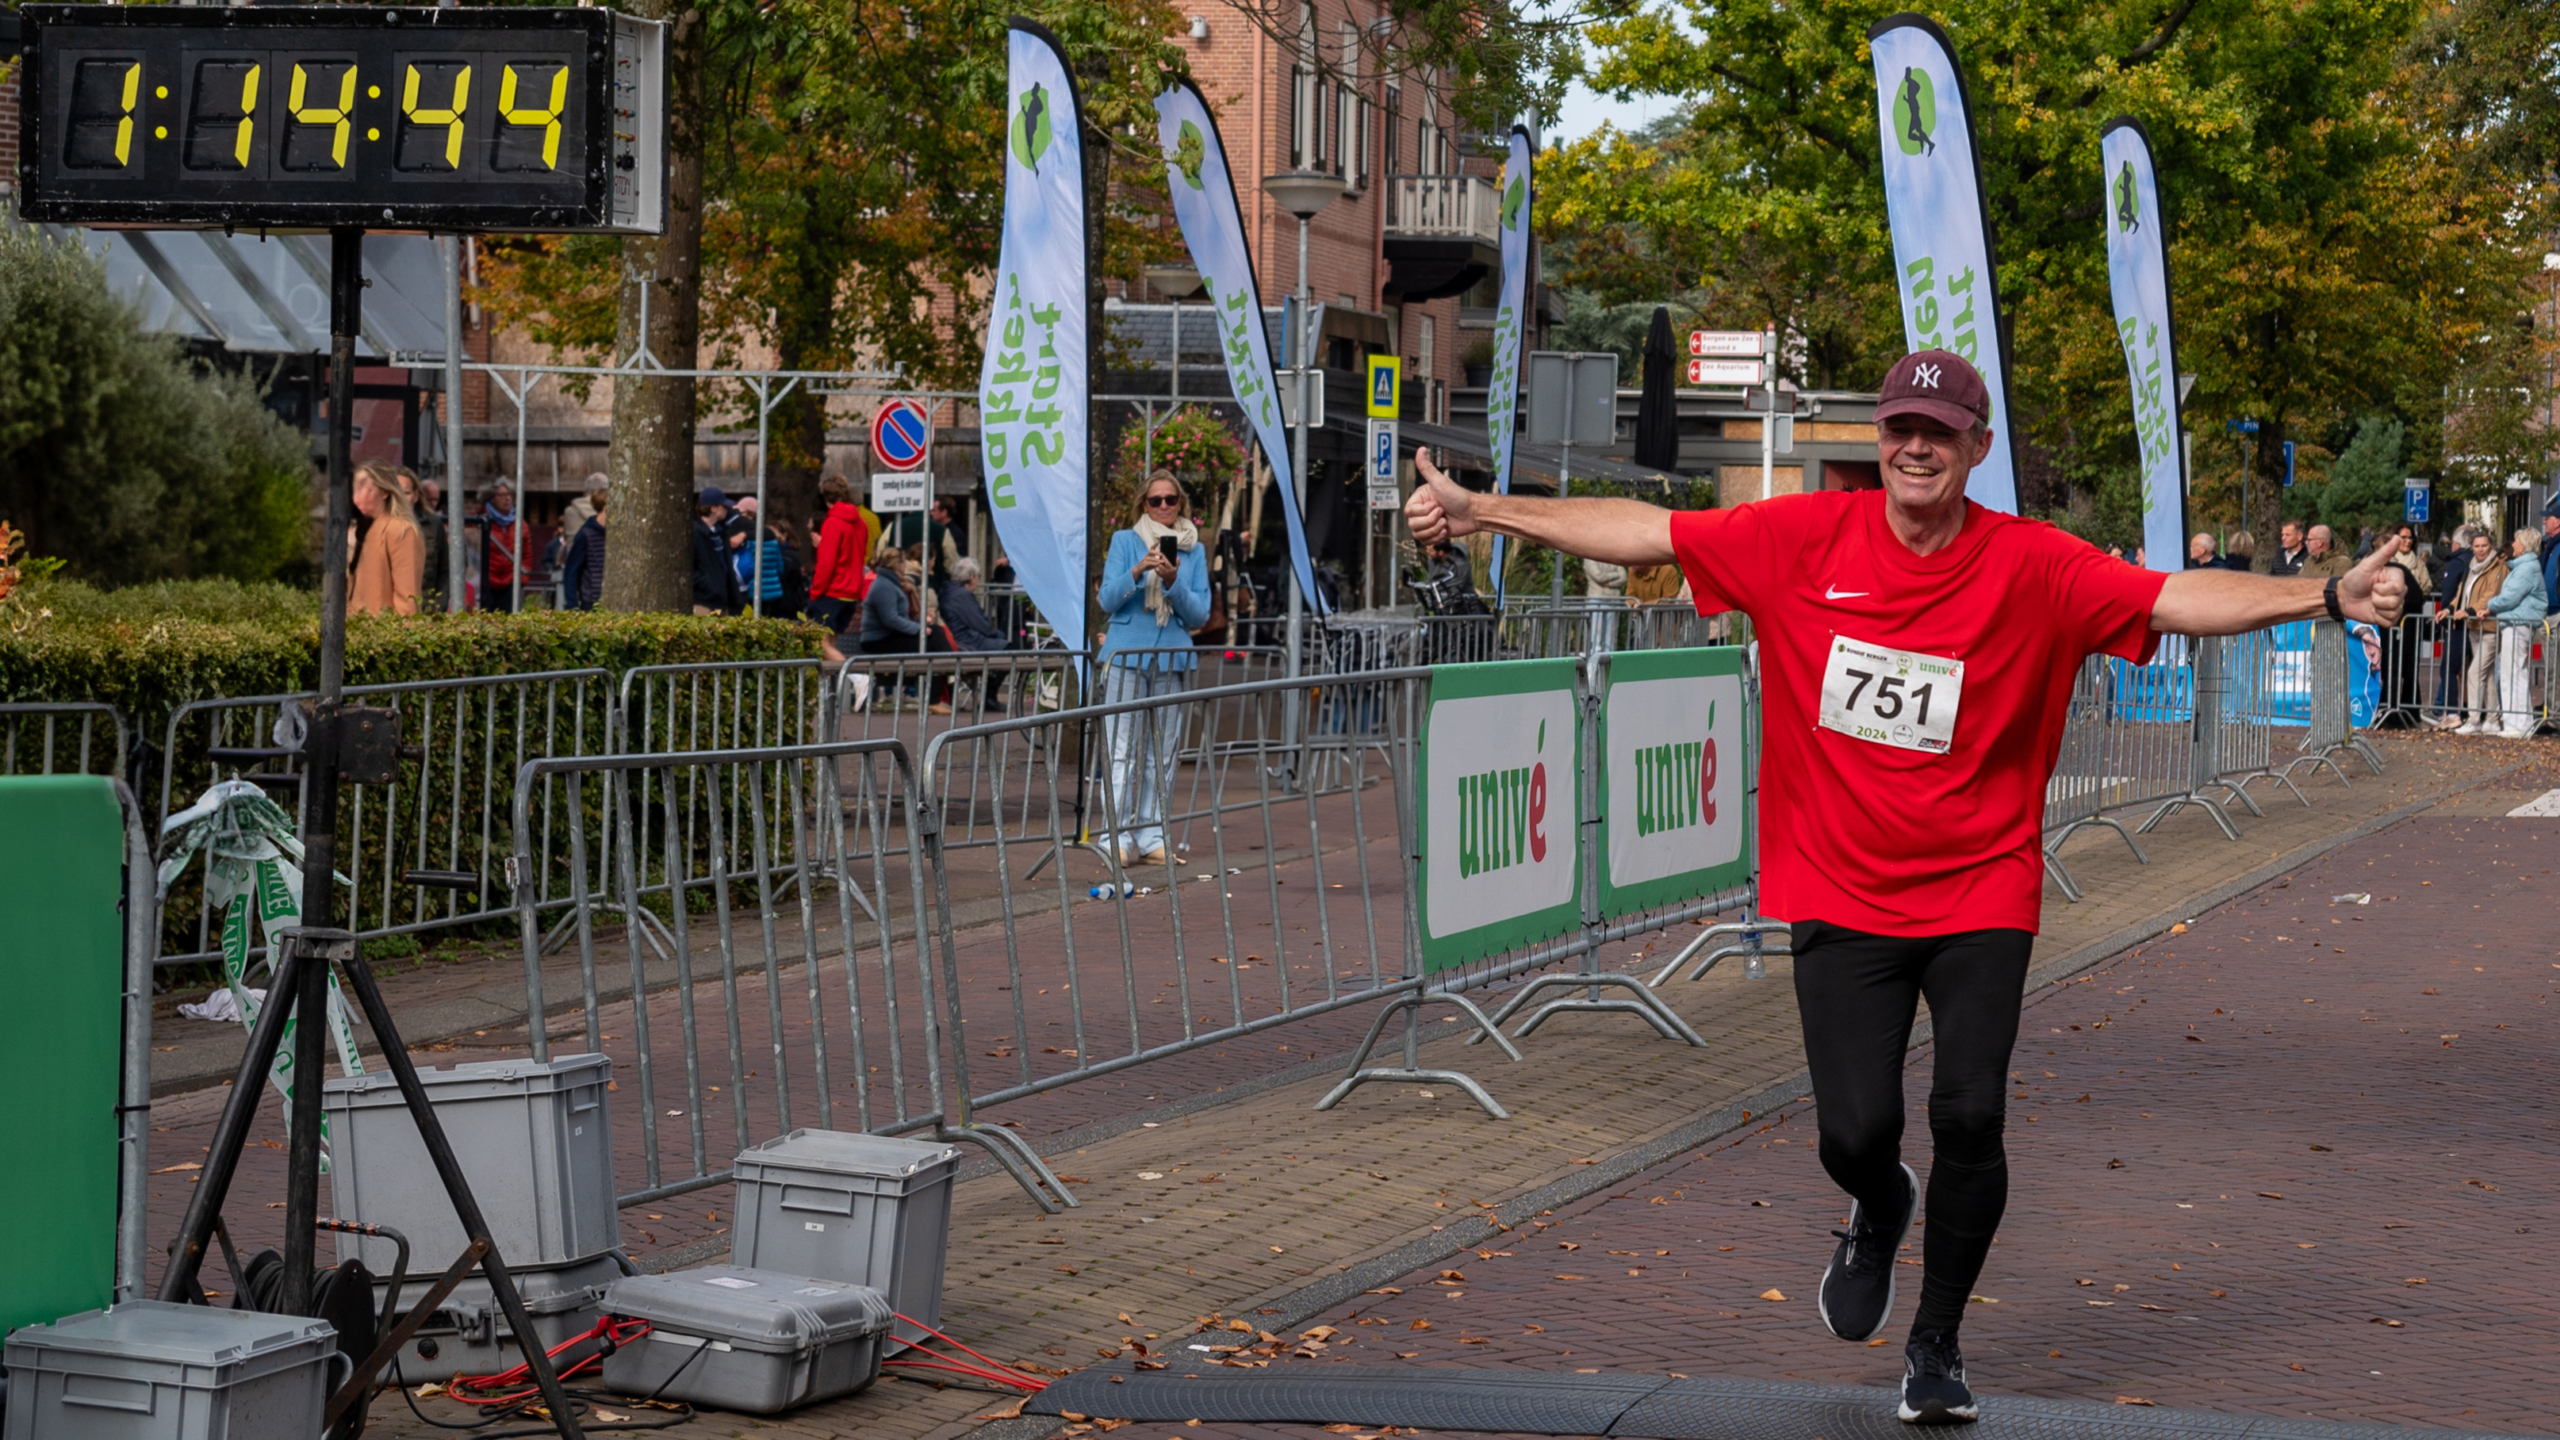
[1856, 994]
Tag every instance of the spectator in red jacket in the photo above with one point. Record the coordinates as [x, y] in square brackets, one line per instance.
[844, 537]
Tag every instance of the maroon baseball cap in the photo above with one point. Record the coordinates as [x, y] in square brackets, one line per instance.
[1939, 385]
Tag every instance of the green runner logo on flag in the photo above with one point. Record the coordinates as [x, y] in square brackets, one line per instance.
[1031, 127]
[1915, 112]
[1189, 153]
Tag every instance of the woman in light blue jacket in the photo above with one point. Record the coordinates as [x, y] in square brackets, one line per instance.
[2518, 608]
[1154, 603]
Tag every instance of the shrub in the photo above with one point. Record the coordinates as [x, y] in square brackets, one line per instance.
[119, 455]
[147, 649]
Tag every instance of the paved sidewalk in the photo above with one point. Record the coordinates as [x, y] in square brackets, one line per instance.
[1250, 1207]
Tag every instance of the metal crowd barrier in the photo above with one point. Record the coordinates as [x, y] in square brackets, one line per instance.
[425, 853]
[2199, 725]
[829, 991]
[75, 737]
[2423, 670]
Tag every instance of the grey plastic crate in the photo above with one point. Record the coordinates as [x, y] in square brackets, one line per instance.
[532, 1139]
[145, 1370]
[470, 1334]
[741, 1339]
[870, 1209]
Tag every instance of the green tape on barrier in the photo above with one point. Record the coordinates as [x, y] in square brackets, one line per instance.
[253, 861]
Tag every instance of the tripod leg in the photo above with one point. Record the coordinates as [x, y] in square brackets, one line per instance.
[222, 1158]
[502, 1287]
[302, 1184]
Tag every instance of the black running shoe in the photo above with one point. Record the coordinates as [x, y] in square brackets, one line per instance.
[1933, 1388]
[1857, 1288]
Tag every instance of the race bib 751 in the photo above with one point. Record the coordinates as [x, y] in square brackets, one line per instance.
[1891, 697]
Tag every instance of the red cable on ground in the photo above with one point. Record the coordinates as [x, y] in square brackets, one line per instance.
[619, 1331]
[1003, 1374]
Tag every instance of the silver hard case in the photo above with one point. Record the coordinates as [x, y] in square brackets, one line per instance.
[741, 1339]
[470, 1334]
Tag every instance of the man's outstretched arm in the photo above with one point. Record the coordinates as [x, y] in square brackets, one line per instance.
[1622, 532]
[2230, 602]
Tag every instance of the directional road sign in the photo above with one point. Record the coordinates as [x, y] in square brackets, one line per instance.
[1724, 372]
[1726, 342]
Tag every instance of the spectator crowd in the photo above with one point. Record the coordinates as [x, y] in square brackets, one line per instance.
[2486, 600]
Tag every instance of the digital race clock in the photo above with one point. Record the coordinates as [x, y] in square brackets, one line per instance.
[534, 119]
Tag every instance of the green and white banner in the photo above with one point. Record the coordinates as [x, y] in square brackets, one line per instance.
[253, 871]
[1675, 778]
[1204, 202]
[1942, 253]
[1501, 790]
[1032, 395]
[2138, 274]
[1510, 322]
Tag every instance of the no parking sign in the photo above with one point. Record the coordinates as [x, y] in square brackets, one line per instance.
[901, 435]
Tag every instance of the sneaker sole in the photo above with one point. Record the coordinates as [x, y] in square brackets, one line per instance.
[1892, 1282]
[1940, 1414]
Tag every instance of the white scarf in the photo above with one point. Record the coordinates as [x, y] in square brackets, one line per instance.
[1186, 536]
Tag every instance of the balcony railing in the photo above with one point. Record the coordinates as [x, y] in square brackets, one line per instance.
[1451, 205]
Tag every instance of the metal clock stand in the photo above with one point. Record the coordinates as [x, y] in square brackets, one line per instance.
[360, 746]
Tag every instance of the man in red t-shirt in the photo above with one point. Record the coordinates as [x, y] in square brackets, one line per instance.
[1916, 655]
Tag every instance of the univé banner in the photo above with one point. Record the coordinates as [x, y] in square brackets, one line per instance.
[1518, 204]
[1204, 201]
[1675, 812]
[1942, 255]
[2138, 273]
[1031, 388]
[1501, 793]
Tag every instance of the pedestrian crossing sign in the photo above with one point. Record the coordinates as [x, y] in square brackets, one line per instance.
[1382, 386]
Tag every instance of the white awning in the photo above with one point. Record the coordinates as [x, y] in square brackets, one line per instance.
[269, 294]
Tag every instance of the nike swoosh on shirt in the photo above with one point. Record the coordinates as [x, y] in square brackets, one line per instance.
[1830, 594]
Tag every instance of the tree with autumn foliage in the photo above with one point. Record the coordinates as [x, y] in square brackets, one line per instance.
[2323, 269]
[851, 190]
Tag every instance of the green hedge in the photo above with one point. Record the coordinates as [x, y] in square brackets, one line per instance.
[147, 649]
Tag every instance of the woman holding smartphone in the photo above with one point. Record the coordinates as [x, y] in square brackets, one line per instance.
[1155, 589]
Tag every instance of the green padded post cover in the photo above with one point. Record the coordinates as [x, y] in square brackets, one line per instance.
[62, 985]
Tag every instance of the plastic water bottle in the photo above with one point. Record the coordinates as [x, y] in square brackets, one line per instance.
[1108, 892]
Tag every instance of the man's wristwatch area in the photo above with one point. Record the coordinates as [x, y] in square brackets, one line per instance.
[2329, 597]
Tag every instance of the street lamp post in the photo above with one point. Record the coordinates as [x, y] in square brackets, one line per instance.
[1302, 193]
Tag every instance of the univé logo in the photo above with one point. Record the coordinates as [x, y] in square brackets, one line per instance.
[1915, 112]
[1502, 816]
[1676, 783]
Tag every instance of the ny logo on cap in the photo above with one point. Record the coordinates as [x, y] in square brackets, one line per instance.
[1925, 375]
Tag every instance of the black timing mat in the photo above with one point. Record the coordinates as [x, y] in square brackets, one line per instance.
[1640, 1407]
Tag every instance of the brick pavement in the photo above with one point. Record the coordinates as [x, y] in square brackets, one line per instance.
[1335, 1191]
[2293, 1161]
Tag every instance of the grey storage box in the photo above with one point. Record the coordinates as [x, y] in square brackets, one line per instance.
[868, 1209]
[470, 1334]
[741, 1339]
[145, 1370]
[532, 1140]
